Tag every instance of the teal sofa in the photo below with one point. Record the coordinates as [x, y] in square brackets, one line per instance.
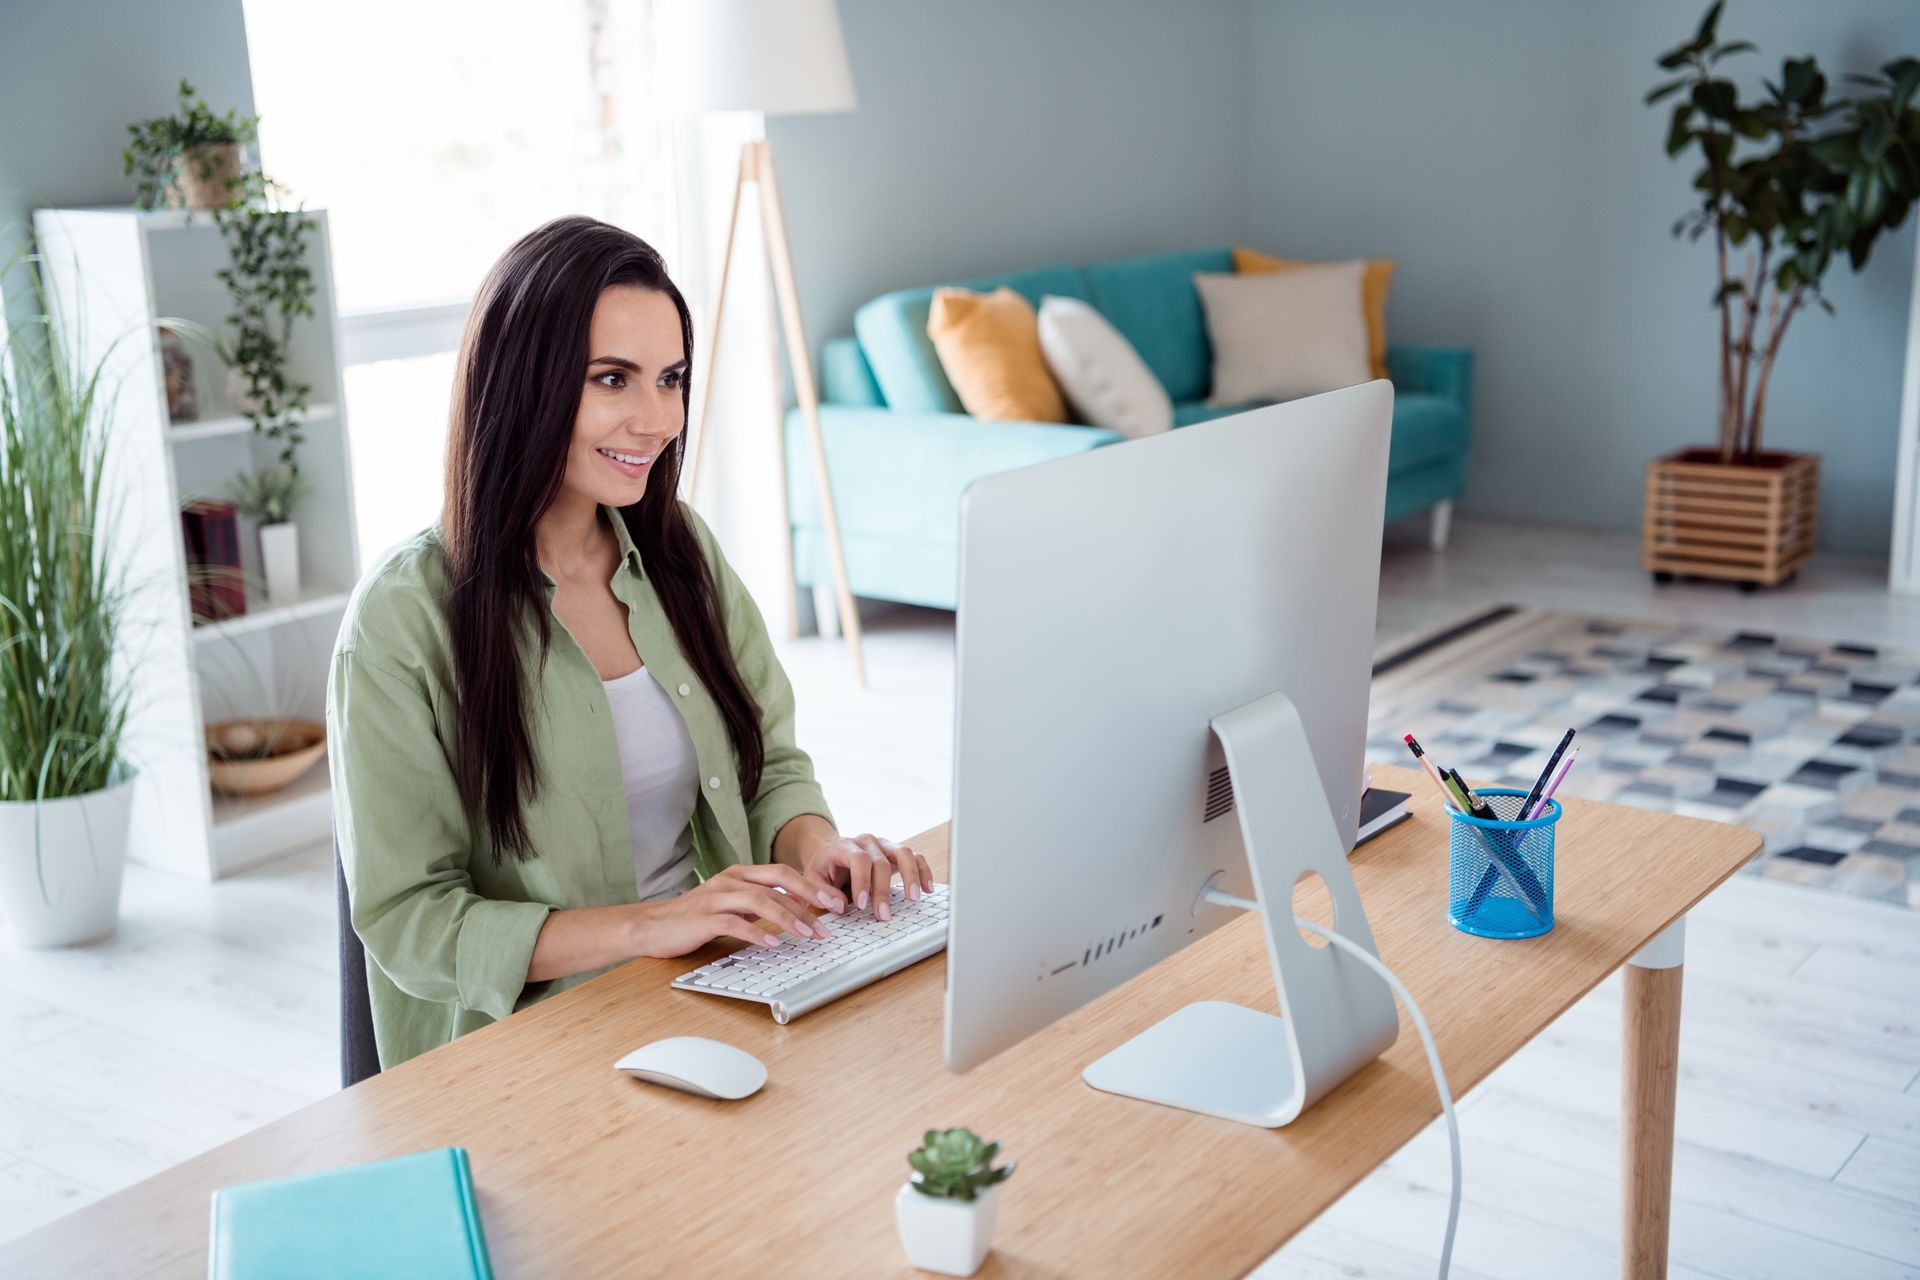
[901, 450]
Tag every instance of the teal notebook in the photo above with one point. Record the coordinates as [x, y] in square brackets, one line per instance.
[411, 1217]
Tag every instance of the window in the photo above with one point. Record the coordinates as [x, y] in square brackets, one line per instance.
[435, 133]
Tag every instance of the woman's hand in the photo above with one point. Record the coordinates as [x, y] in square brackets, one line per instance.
[864, 866]
[731, 905]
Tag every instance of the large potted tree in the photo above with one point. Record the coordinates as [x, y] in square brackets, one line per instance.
[1792, 179]
[65, 784]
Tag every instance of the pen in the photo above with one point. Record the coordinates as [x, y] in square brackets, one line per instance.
[1546, 775]
[1566, 767]
[1475, 805]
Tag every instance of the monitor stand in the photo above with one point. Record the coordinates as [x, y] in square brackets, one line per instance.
[1240, 1064]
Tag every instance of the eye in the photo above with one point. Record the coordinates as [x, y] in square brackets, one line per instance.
[611, 373]
[673, 378]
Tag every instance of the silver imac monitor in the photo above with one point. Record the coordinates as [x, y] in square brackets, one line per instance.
[1164, 654]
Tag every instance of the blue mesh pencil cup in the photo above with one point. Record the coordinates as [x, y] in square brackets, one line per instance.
[1500, 870]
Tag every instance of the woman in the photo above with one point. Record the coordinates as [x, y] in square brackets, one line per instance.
[560, 737]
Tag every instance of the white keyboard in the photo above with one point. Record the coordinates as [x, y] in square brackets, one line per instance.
[802, 974]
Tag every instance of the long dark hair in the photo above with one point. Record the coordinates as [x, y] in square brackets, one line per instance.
[516, 392]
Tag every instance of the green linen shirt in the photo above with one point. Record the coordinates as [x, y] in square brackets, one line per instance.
[448, 933]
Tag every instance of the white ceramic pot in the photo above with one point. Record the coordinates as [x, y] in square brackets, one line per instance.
[60, 866]
[240, 396]
[951, 1237]
[280, 559]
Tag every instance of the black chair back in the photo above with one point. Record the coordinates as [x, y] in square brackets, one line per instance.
[359, 1056]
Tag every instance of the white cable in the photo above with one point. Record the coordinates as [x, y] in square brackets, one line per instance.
[1433, 1060]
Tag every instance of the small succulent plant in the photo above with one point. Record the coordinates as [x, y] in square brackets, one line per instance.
[954, 1164]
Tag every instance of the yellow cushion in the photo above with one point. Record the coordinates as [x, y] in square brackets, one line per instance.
[1373, 295]
[989, 344]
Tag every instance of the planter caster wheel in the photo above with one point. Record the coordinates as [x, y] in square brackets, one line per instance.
[1662, 578]
[1748, 588]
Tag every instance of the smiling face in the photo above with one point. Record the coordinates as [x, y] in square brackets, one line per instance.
[630, 409]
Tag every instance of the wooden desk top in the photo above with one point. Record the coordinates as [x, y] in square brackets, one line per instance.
[584, 1172]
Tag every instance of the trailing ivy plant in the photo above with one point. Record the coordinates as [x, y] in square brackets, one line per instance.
[271, 285]
[1795, 177]
[267, 275]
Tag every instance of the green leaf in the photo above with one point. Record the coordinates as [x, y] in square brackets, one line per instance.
[1709, 24]
[1800, 79]
[1667, 90]
[1737, 46]
[1715, 98]
[1678, 133]
[1674, 59]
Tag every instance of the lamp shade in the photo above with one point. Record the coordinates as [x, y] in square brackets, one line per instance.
[780, 57]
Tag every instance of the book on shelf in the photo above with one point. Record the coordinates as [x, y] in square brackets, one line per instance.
[216, 587]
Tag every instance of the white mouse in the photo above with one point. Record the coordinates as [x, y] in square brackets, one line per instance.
[696, 1065]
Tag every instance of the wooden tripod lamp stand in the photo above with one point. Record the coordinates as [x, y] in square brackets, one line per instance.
[778, 57]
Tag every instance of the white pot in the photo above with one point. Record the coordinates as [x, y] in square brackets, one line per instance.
[280, 558]
[951, 1237]
[240, 395]
[60, 866]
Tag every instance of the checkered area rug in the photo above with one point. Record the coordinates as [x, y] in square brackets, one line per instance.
[1815, 746]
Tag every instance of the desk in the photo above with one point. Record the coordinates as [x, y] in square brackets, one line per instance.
[584, 1172]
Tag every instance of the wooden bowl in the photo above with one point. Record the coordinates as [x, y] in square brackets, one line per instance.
[300, 743]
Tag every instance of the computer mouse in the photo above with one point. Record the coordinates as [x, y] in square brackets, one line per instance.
[696, 1065]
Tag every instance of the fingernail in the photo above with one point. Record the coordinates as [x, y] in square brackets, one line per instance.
[824, 898]
[882, 912]
[768, 940]
[863, 900]
[821, 929]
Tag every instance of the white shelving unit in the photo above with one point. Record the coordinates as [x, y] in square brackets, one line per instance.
[112, 274]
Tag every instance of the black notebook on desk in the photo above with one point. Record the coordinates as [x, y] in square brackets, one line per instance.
[1380, 809]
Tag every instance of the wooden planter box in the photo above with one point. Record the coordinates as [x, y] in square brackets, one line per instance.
[1750, 523]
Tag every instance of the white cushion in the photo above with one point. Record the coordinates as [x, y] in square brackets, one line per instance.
[1283, 335]
[1104, 378]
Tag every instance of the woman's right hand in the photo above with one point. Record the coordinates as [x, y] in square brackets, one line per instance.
[732, 904]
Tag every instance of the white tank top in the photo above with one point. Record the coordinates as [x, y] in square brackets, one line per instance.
[662, 777]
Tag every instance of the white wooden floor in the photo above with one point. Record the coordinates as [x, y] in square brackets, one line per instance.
[213, 1010]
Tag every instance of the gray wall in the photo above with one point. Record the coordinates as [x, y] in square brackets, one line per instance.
[75, 73]
[999, 134]
[1499, 151]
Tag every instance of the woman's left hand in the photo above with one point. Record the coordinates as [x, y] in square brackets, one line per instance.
[864, 866]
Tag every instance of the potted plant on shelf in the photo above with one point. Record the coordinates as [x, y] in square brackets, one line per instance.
[189, 160]
[66, 788]
[945, 1210]
[266, 276]
[267, 497]
[1794, 178]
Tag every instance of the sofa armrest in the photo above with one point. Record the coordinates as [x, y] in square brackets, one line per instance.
[902, 473]
[1447, 371]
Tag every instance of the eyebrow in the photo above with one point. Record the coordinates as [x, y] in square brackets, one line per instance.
[623, 363]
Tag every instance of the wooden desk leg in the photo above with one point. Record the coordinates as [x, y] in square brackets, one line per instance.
[1649, 1077]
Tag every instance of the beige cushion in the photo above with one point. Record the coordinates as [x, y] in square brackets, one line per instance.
[1104, 378]
[1285, 335]
[989, 345]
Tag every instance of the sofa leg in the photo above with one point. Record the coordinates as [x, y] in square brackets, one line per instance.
[826, 611]
[1442, 525]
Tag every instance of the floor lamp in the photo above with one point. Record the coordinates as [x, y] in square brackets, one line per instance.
[777, 57]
